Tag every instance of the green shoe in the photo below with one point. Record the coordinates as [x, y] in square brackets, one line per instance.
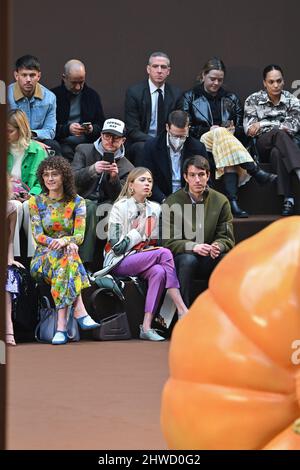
[150, 335]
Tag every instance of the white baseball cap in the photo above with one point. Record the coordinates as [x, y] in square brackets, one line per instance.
[114, 126]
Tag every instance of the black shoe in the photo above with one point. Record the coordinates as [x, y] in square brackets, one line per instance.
[262, 177]
[287, 208]
[237, 211]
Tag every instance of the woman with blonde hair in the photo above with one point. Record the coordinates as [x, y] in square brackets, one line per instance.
[216, 118]
[23, 159]
[131, 249]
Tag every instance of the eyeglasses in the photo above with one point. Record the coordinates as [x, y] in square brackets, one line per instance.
[114, 138]
[178, 136]
[51, 174]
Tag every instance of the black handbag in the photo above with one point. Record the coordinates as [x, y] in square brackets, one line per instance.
[113, 328]
[108, 298]
[24, 305]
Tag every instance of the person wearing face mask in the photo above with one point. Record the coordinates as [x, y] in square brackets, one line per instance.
[79, 110]
[164, 155]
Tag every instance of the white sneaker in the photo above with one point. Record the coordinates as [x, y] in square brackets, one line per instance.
[150, 335]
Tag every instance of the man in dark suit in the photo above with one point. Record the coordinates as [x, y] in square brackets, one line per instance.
[148, 105]
[166, 154]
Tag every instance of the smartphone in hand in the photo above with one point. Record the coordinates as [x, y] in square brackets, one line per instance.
[109, 157]
[86, 125]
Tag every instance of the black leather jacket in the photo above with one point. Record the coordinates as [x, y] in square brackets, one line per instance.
[197, 106]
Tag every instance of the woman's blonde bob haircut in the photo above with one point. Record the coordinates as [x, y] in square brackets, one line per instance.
[18, 119]
[133, 175]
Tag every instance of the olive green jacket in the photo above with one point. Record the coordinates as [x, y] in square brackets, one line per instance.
[178, 227]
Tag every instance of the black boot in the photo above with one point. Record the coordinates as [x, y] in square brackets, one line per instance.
[261, 176]
[237, 211]
[288, 208]
[230, 181]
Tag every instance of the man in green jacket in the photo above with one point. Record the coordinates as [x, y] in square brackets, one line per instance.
[196, 226]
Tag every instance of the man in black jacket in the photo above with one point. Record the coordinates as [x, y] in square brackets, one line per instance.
[79, 110]
[148, 105]
[166, 154]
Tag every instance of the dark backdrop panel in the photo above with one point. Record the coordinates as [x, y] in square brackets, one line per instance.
[115, 38]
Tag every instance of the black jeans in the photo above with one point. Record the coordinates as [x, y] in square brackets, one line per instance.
[53, 144]
[279, 148]
[190, 266]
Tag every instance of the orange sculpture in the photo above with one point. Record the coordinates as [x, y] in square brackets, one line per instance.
[234, 365]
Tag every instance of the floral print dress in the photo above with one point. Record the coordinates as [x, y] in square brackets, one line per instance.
[53, 218]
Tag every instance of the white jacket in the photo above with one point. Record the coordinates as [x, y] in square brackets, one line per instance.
[122, 219]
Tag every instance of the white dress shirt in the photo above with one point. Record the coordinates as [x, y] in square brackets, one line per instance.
[154, 98]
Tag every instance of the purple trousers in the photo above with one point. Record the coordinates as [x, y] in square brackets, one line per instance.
[157, 267]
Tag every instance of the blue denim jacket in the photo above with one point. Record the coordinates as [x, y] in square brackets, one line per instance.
[40, 109]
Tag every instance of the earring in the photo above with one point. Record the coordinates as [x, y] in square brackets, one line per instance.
[131, 190]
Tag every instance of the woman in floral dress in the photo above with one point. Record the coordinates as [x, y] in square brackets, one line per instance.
[58, 224]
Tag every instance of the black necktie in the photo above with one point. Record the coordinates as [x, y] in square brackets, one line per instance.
[160, 112]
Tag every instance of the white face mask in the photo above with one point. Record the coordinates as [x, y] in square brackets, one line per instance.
[177, 142]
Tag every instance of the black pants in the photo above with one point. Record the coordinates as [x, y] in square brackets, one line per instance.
[135, 153]
[68, 151]
[53, 144]
[190, 266]
[91, 250]
[278, 147]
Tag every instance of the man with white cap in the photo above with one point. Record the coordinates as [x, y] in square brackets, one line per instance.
[100, 172]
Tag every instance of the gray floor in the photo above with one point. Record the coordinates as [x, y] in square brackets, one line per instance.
[87, 395]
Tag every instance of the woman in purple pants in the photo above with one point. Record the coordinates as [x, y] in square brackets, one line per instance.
[131, 250]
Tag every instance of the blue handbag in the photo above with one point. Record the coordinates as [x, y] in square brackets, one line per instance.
[46, 328]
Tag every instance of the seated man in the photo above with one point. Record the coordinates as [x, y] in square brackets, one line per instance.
[79, 110]
[196, 226]
[37, 102]
[165, 155]
[100, 172]
[148, 105]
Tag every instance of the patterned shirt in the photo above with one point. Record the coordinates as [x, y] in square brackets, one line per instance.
[285, 114]
[54, 218]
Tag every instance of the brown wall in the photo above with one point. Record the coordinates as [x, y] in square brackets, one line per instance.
[114, 38]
